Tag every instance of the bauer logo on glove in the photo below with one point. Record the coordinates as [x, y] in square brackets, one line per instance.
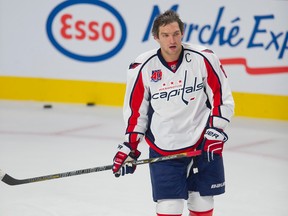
[214, 140]
[215, 134]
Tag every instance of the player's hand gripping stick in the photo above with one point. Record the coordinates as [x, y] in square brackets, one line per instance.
[121, 165]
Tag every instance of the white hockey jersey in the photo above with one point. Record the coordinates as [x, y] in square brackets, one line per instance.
[171, 109]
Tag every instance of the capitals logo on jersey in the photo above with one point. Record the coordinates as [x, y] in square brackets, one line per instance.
[156, 75]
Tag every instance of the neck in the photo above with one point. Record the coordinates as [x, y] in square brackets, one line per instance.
[170, 58]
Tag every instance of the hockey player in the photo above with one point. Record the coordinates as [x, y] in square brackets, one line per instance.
[178, 99]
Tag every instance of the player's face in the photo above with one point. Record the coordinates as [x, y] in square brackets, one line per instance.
[170, 38]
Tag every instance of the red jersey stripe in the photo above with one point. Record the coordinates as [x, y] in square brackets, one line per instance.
[136, 99]
[215, 85]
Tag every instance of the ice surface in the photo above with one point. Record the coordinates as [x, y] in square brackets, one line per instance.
[1, 174]
[36, 141]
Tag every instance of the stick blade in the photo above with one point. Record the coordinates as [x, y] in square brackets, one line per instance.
[11, 181]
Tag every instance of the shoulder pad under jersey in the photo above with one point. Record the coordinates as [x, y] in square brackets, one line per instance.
[142, 58]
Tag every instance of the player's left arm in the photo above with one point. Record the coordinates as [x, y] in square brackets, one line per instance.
[219, 93]
[222, 107]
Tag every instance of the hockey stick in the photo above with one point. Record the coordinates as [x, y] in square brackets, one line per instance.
[12, 181]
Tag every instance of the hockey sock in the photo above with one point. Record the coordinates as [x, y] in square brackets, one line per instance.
[169, 214]
[206, 213]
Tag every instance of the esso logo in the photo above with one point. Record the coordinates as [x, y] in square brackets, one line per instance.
[86, 30]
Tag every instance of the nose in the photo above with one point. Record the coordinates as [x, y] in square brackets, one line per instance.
[172, 39]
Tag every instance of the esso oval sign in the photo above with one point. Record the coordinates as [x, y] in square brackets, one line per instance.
[86, 30]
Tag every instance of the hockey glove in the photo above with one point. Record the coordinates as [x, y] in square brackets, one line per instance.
[214, 140]
[121, 165]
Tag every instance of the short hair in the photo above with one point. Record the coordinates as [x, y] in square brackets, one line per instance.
[165, 18]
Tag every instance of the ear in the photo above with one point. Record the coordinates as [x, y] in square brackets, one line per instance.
[156, 38]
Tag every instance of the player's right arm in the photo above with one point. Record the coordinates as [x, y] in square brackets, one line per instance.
[135, 108]
[136, 103]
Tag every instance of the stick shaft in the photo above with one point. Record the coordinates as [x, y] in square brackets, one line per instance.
[12, 181]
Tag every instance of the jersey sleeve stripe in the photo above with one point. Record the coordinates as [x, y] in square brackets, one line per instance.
[215, 85]
[136, 99]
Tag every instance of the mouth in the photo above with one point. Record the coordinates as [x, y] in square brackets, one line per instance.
[172, 47]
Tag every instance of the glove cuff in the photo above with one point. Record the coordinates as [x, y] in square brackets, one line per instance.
[132, 145]
[124, 148]
[218, 122]
[135, 154]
